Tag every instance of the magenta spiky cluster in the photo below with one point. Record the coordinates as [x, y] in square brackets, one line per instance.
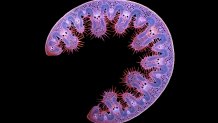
[151, 37]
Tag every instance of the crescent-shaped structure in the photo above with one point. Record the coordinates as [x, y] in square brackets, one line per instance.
[151, 37]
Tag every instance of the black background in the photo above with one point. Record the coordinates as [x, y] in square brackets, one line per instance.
[64, 88]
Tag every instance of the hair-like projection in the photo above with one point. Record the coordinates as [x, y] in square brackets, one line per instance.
[151, 37]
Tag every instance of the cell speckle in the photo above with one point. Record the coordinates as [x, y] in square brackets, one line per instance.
[151, 38]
